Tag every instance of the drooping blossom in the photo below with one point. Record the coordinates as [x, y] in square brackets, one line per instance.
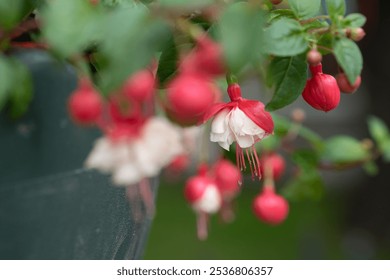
[129, 160]
[242, 121]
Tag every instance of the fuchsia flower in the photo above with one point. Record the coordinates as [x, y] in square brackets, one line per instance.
[242, 121]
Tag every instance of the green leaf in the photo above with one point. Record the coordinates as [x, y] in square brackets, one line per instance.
[371, 168]
[343, 150]
[130, 47]
[349, 58]
[168, 62]
[5, 80]
[21, 91]
[305, 9]
[335, 8]
[354, 20]
[306, 159]
[241, 34]
[185, 4]
[285, 37]
[378, 130]
[279, 13]
[13, 11]
[70, 26]
[289, 75]
[381, 134]
[305, 186]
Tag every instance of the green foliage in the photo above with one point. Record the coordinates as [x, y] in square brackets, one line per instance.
[354, 20]
[279, 13]
[305, 9]
[380, 133]
[15, 86]
[168, 62]
[185, 4]
[349, 57]
[135, 44]
[289, 75]
[285, 37]
[70, 26]
[335, 8]
[21, 90]
[11, 12]
[341, 150]
[308, 183]
[241, 48]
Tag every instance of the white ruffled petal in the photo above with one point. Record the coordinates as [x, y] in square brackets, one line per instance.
[220, 122]
[101, 157]
[245, 141]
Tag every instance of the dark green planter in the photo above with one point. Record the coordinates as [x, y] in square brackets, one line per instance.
[50, 207]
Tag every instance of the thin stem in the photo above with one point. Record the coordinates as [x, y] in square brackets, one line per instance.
[231, 79]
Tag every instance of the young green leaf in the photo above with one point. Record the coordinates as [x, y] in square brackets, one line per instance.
[349, 58]
[305, 9]
[335, 8]
[354, 20]
[371, 168]
[343, 150]
[289, 75]
[285, 37]
[241, 48]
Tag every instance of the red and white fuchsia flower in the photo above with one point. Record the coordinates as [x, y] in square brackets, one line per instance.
[242, 121]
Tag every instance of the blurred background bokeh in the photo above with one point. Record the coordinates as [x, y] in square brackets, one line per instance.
[351, 221]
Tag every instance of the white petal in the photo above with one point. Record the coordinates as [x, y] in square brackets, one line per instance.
[101, 157]
[219, 123]
[245, 141]
[127, 174]
[210, 202]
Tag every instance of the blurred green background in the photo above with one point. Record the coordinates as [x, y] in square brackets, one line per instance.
[313, 230]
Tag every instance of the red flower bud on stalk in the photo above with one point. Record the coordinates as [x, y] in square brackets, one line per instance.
[270, 207]
[321, 91]
[85, 103]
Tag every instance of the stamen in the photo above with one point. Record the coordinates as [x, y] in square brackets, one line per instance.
[250, 163]
[257, 161]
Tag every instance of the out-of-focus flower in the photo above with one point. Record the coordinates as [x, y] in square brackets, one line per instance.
[131, 160]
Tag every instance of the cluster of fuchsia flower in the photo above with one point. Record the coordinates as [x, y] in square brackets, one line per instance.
[191, 98]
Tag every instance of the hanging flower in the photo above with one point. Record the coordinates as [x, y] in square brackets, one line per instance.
[130, 160]
[242, 121]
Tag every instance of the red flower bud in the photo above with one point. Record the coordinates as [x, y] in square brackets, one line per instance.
[357, 34]
[314, 57]
[85, 104]
[321, 91]
[345, 86]
[228, 178]
[270, 207]
[189, 96]
[140, 86]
